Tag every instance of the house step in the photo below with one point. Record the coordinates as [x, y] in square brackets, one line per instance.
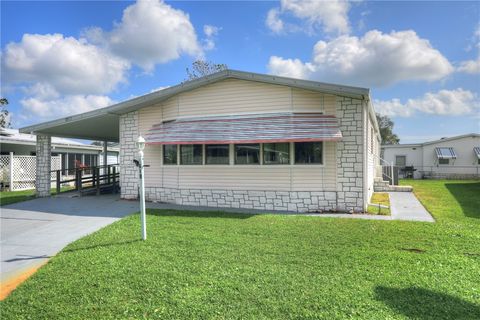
[388, 188]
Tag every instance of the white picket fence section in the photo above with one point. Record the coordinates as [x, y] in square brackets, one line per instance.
[18, 172]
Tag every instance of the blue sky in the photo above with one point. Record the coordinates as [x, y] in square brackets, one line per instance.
[420, 59]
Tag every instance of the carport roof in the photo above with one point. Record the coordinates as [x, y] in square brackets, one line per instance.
[102, 124]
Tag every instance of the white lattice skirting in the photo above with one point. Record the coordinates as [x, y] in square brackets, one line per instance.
[21, 170]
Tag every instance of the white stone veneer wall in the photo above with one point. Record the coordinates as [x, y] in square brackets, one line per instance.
[43, 165]
[350, 155]
[128, 151]
[301, 201]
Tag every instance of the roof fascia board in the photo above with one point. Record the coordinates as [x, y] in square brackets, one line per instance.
[401, 145]
[452, 138]
[60, 145]
[473, 135]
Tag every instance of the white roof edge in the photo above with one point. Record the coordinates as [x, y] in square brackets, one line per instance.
[409, 145]
[432, 142]
[157, 96]
[61, 145]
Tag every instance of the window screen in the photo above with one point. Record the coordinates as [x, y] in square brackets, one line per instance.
[400, 161]
[247, 153]
[191, 154]
[217, 154]
[276, 153]
[443, 161]
[170, 154]
[308, 152]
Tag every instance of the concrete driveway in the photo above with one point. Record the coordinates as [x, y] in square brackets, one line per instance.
[35, 230]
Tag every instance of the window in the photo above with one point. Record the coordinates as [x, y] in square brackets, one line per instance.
[400, 161]
[90, 160]
[276, 153]
[217, 154]
[191, 154]
[74, 160]
[169, 154]
[443, 161]
[309, 152]
[247, 153]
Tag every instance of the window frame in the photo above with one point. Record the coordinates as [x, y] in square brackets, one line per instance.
[177, 160]
[294, 160]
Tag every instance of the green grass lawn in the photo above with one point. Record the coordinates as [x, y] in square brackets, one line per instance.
[9, 197]
[232, 266]
[379, 198]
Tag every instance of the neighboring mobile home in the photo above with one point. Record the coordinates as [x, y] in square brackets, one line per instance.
[455, 157]
[18, 157]
[238, 139]
[72, 152]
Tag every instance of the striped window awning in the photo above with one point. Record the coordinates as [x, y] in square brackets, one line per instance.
[258, 128]
[477, 151]
[445, 153]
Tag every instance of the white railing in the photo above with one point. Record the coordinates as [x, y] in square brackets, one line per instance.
[386, 170]
[18, 172]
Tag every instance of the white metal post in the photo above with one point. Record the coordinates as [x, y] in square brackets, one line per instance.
[143, 217]
[10, 172]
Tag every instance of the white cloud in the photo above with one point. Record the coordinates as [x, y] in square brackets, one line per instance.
[150, 32]
[444, 102]
[329, 15]
[273, 21]
[376, 59]
[46, 109]
[293, 68]
[472, 66]
[62, 75]
[65, 64]
[210, 34]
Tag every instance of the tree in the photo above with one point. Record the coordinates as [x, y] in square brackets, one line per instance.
[4, 118]
[385, 125]
[201, 68]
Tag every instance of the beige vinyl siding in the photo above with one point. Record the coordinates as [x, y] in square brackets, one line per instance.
[147, 117]
[170, 108]
[310, 101]
[371, 142]
[312, 178]
[233, 96]
[242, 177]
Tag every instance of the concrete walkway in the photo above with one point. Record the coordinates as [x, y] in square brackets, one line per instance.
[405, 206]
[33, 231]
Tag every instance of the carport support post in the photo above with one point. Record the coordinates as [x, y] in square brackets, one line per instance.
[43, 180]
[105, 156]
